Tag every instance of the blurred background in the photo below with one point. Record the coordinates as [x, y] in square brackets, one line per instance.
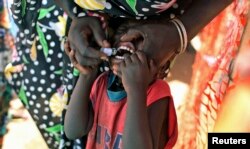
[202, 82]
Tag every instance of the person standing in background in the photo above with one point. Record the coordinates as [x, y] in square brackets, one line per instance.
[39, 58]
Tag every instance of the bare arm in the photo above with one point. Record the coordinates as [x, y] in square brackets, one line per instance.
[162, 37]
[200, 13]
[144, 124]
[142, 128]
[79, 115]
[137, 132]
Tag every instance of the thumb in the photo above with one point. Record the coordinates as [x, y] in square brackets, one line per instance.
[106, 44]
[131, 34]
[98, 34]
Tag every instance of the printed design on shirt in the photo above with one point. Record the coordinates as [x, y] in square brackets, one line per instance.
[103, 136]
[91, 4]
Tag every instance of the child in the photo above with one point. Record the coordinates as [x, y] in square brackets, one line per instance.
[132, 109]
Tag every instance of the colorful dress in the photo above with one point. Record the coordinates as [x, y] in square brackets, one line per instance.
[42, 74]
[36, 70]
[131, 8]
[5, 89]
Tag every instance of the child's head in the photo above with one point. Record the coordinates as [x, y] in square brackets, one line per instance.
[162, 61]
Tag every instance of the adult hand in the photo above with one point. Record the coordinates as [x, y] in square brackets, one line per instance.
[82, 31]
[137, 72]
[159, 41]
[77, 60]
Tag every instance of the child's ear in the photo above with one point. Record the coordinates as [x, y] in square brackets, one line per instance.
[164, 70]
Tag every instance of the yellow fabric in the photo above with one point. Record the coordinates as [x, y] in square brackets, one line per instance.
[91, 4]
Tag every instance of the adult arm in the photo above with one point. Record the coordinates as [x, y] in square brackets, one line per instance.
[82, 31]
[200, 13]
[161, 36]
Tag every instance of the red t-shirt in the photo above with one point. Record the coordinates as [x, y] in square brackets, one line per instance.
[109, 117]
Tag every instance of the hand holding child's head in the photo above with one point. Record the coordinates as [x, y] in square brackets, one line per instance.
[83, 33]
[77, 60]
[153, 38]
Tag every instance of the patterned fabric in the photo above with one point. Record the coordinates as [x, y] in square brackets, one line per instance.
[36, 71]
[5, 89]
[132, 8]
[109, 117]
[42, 74]
[4, 18]
[211, 78]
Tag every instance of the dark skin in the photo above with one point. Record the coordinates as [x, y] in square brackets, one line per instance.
[140, 119]
[193, 19]
[80, 33]
[197, 16]
[142, 128]
[150, 130]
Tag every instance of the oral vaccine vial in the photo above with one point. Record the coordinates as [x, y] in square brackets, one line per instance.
[109, 51]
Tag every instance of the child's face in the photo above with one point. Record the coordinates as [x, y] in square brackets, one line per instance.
[126, 49]
[123, 49]
[160, 56]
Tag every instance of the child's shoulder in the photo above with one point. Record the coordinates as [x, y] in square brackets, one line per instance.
[103, 76]
[158, 90]
[160, 85]
[101, 80]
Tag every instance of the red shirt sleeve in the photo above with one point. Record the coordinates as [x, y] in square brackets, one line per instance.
[157, 91]
[98, 86]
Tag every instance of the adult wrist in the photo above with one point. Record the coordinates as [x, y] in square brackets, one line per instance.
[182, 34]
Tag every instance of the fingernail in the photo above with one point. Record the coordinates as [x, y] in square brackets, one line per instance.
[106, 44]
[122, 37]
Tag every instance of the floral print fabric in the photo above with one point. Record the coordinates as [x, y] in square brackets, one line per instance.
[42, 74]
[132, 8]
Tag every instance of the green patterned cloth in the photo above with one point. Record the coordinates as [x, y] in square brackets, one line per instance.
[42, 74]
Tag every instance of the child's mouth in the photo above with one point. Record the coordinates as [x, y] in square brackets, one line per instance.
[125, 48]
[122, 51]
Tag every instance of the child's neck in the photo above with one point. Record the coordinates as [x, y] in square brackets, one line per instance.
[117, 85]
